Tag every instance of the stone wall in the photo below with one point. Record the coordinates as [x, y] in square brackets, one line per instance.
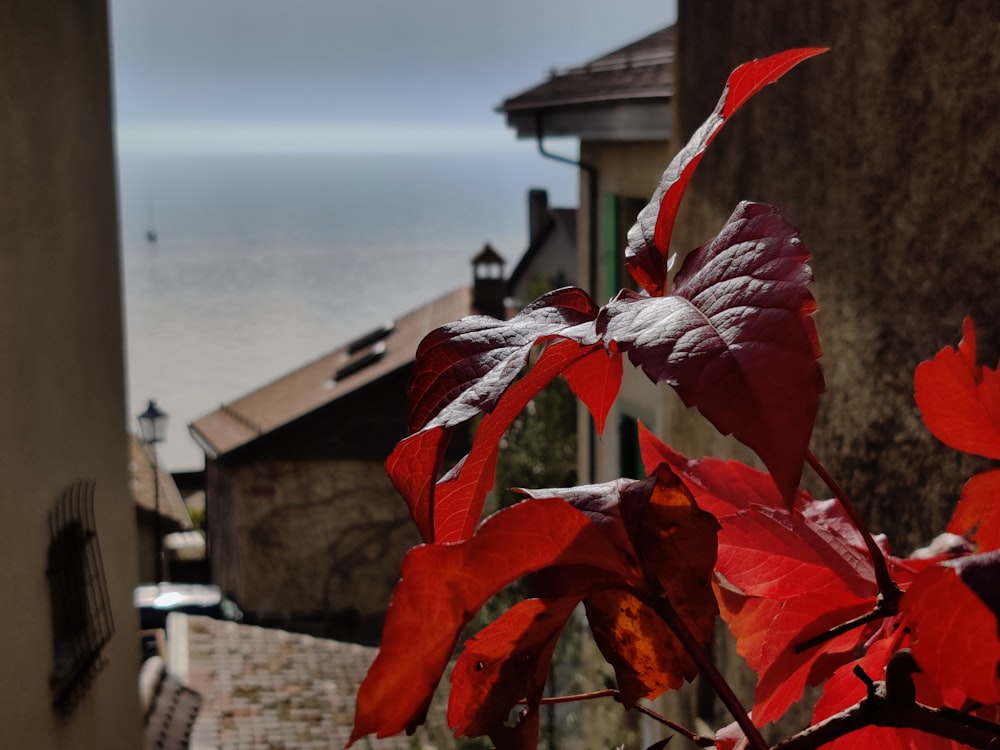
[882, 152]
[308, 544]
[885, 154]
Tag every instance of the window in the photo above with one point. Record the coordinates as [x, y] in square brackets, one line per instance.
[81, 615]
[616, 218]
[629, 453]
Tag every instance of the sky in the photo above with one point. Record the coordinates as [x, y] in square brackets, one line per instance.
[343, 75]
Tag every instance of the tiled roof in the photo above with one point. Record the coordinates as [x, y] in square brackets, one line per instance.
[265, 688]
[641, 70]
[143, 487]
[326, 379]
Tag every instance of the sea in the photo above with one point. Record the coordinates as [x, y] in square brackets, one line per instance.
[264, 262]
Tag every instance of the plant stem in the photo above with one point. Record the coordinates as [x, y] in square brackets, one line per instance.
[708, 670]
[876, 614]
[889, 592]
[877, 710]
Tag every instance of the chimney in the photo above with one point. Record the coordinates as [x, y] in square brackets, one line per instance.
[538, 213]
[488, 284]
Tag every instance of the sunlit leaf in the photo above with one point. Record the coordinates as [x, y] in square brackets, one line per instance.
[735, 338]
[507, 661]
[649, 239]
[960, 400]
[977, 515]
[463, 368]
[843, 690]
[443, 586]
[952, 609]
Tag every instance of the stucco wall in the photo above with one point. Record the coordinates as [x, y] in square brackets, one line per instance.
[885, 153]
[62, 412]
[308, 540]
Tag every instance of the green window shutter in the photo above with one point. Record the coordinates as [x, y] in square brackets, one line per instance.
[611, 261]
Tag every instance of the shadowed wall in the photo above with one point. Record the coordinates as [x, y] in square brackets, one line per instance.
[884, 153]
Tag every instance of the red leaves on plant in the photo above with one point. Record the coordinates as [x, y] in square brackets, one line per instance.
[645, 654]
[463, 368]
[619, 537]
[785, 577]
[675, 542]
[767, 631]
[844, 689]
[459, 497]
[960, 403]
[412, 466]
[649, 239]
[443, 586]
[656, 524]
[596, 380]
[978, 513]
[960, 400]
[735, 338]
[505, 662]
[449, 509]
[952, 609]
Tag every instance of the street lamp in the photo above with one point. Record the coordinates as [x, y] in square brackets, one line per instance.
[153, 427]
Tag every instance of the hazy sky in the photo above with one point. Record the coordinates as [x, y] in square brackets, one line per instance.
[245, 73]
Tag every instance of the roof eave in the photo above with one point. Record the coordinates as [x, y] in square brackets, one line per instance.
[633, 120]
[209, 450]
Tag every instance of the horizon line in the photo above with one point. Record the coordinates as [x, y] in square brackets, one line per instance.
[289, 139]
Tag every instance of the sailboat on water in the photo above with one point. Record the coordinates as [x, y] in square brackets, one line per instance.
[151, 235]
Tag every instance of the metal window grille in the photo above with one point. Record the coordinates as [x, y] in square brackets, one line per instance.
[81, 613]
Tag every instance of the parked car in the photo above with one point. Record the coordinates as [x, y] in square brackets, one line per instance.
[157, 600]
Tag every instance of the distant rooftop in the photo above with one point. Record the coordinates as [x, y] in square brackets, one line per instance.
[144, 488]
[354, 365]
[271, 688]
[637, 81]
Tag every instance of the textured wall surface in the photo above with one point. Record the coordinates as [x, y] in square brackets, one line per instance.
[308, 540]
[884, 152]
[62, 408]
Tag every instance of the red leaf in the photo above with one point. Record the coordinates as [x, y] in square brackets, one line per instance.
[720, 487]
[844, 690]
[463, 368]
[658, 526]
[952, 609]
[735, 338]
[413, 466]
[448, 510]
[505, 662]
[977, 515]
[960, 400]
[767, 631]
[601, 503]
[676, 542]
[779, 554]
[443, 586]
[459, 497]
[596, 380]
[649, 239]
[646, 655]
[787, 574]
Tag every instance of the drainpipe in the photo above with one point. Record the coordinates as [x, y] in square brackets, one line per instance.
[591, 171]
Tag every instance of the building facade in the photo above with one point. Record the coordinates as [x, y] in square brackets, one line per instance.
[68, 637]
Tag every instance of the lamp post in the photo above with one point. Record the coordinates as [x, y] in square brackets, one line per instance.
[153, 428]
